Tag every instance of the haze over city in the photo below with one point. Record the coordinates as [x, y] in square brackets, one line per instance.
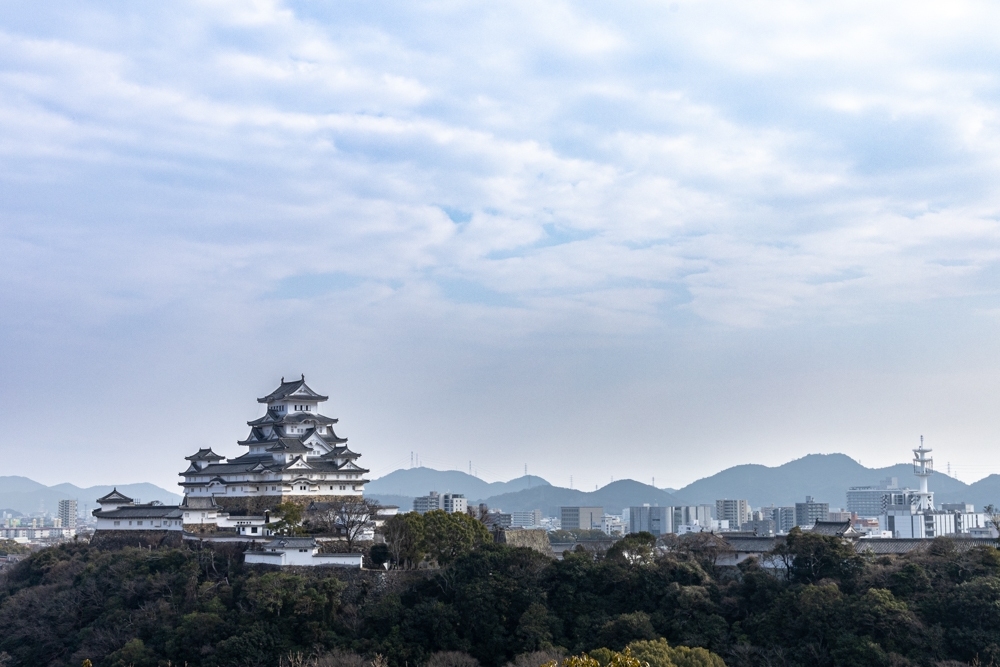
[596, 241]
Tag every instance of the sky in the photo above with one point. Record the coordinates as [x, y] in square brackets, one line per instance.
[586, 240]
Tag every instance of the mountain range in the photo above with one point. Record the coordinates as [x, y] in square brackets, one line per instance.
[825, 477]
[28, 496]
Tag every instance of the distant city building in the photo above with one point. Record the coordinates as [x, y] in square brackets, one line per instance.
[916, 517]
[760, 527]
[646, 519]
[736, 512]
[449, 502]
[839, 516]
[665, 520]
[783, 517]
[530, 519]
[872, 501]
[424, 504]
[691, 515]
[809, 512]
[495, 519]
[454, 503]
[581, 518]
[612, 525]
[67, 514]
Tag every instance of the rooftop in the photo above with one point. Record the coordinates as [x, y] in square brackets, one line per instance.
[293, 389]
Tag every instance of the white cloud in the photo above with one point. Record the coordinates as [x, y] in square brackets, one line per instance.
[504, 174]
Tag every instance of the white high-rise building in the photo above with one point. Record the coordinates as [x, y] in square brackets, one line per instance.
[915, 516]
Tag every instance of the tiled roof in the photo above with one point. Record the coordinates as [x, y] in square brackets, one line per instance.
[291, 543]
[286, 389]
[114, 496]
[204, 455]
[275, 418]
[833, 528]
[903, 546]
[142, 512]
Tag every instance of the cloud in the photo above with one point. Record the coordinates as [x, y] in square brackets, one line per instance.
[491, 176]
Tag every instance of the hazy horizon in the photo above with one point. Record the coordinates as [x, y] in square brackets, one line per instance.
[599, 241]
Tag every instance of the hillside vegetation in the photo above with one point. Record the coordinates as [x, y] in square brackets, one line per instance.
[494, 603]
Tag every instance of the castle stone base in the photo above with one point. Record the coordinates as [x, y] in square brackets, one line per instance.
[256, 505]
[119, 539]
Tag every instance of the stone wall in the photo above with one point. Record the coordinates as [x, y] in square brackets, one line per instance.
[536, 539]
[119, 539]
[256, 505]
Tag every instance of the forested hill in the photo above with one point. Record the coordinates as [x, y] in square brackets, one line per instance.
[494, 605]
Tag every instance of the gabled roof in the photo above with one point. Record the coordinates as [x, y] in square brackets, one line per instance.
[115, 497]
[204, 455]
[141, 512]
[834, 529]
[300, 417]
[291, 543]
[289, 446]
[293, 389]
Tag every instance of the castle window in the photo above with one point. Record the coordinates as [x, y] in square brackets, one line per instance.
[118, 523]
[343, 488]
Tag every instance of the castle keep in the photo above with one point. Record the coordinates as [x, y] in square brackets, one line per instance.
[293, 454]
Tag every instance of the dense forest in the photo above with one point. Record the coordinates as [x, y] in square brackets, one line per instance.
[498, 605]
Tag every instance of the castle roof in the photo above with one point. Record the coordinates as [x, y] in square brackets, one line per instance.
[277, 418]
[115, 496]
[834, 529]
[293, 389]
[289, 446]
[204, 455]
[141, 512]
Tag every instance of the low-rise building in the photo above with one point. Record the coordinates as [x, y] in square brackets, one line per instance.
[581, 518]
[119, 512]
[301, 552]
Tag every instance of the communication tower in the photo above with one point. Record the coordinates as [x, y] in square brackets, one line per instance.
[923, 468]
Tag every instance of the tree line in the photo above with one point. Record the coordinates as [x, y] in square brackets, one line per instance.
[494, 605]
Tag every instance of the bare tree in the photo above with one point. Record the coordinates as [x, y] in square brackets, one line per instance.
[349, 518]
[992, 513]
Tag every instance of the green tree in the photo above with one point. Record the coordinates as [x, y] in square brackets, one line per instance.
[810, 557]
[290, 519]
[404, 537]
[658, 653]
[634, 549]
[448, 536]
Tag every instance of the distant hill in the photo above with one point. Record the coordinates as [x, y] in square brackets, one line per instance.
[613, 498]
[826, 477]
[548, 498]
[412, 482]
[27, 496]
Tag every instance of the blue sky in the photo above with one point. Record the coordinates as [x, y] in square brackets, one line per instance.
[600, 240]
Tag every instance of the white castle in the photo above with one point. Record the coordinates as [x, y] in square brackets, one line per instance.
[293, 453]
